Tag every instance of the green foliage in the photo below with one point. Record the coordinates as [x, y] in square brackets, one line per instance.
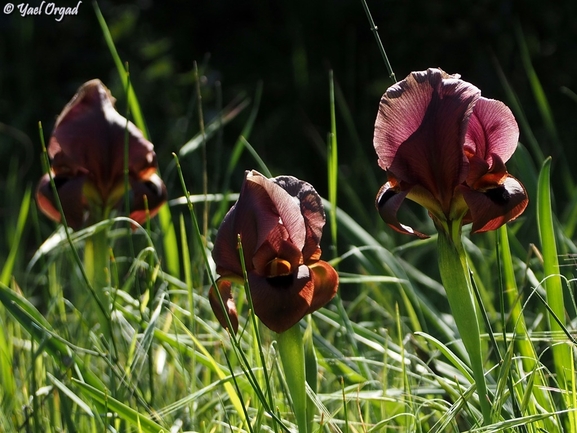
[386, 355]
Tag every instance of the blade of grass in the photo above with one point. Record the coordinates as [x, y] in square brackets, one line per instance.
[544, 109]
[15, 243]
[562, 354]
[43, 333]
[142, 422]
[516, 318]
[169, 233]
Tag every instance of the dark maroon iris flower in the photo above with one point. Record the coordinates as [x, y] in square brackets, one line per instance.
[87, 162]
[280, 223]
[445, 147]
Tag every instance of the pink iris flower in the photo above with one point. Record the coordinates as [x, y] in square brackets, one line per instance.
[445, 147]
[87, 162]
[280, 223]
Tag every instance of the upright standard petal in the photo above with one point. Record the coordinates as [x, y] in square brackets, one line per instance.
[492, 130]
[420, 129]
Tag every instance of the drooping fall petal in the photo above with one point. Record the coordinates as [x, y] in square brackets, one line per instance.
[225, 290]
[326, 282]
[492, 208]
[280, 302]
[388, 202]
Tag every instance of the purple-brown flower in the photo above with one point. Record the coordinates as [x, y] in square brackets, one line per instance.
[280, 223]
[87, 162]
[445, 147]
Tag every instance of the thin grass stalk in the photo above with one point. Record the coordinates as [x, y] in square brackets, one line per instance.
[87, 275]
[8, 266]
[375, 31]
[333, 166]
[255, 324]
[544, 110]
[311, 370]
[203, 156]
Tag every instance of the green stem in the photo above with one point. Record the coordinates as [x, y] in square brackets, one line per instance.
[96, 267]
[291, 350]
[455, 276]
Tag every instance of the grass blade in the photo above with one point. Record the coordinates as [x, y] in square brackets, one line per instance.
[141, 422]
[553, 287]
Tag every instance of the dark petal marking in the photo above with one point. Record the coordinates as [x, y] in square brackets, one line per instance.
[494, 207]
[388, 202]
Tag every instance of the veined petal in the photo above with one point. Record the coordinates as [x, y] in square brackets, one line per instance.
[280, 302]
[225, 289]
[326, 282]
[312, 210]
[286, 205]
[420, 130]
[492, 130]
[253, 217]
[388, 202]
[491, 208]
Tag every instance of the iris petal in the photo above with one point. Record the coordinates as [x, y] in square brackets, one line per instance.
[388, 202]
[311, 207]
[90, 135]
[492, 130]
[70, 192]
[286, 206]
[496, 206]
[282, 301]
[326, 282]
[224, 287]
[420, 129]
[253, 217]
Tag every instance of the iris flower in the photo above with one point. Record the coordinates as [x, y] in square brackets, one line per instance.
[87, 162]
[279, 222]
[445, 147]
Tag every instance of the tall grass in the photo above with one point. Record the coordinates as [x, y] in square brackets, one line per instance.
[388, 354]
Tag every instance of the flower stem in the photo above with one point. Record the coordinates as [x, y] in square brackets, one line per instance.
[291, 350]
[96, 266]
[455, 276]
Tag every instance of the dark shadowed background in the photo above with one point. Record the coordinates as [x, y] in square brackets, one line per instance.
[289, 46]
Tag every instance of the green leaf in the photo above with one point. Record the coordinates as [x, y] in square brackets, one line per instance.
[291, 350]
[562, 355]
[142, 422]
[457, 283]
[22, 215]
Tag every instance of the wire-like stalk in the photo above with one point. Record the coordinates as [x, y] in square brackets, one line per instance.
[375, 31]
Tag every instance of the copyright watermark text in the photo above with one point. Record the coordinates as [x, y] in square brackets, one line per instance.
[45, 8]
